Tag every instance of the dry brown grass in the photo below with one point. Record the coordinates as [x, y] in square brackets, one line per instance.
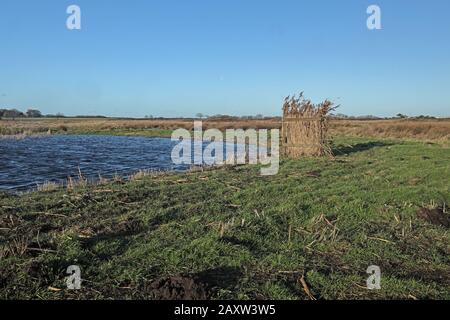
[430, 130]
[17, 247]
[427, 130]
[80, 181]
[9, 127]
[305, 127]
[48, 187]
[139, 175]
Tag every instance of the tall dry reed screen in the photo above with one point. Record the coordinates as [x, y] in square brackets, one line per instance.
[305, 127]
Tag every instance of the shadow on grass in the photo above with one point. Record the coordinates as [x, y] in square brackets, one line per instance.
[359, 147]
[221, 277]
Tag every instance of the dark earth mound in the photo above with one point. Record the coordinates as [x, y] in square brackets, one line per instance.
[177, 288]
[435, 216]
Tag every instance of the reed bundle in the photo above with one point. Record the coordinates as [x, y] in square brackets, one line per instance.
[305, 127]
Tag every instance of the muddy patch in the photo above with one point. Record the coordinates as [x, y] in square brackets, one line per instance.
[436, 216]
[177, 288]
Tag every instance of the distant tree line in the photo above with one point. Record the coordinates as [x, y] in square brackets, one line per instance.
[371, 117]
[228, 117]
[34, 113]
[335, 116]
[14, 113]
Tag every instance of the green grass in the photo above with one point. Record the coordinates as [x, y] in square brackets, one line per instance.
[252, 236]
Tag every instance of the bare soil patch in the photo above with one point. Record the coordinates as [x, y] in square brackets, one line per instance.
[435, 216]
[177, 288]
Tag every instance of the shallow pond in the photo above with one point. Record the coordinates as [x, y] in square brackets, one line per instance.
[31, 161]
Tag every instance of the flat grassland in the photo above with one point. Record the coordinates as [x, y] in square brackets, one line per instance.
[309, 232]
[429, 130]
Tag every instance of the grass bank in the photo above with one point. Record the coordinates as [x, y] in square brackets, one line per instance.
[230, 233]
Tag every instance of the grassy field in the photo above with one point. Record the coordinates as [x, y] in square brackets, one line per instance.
[309, 232]
[425, 130]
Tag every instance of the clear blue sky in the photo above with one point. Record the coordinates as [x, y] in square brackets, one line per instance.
[176, 58]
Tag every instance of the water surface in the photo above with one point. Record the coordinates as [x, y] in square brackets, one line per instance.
[31, 161]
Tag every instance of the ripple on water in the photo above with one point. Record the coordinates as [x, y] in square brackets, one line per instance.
[31, 161]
